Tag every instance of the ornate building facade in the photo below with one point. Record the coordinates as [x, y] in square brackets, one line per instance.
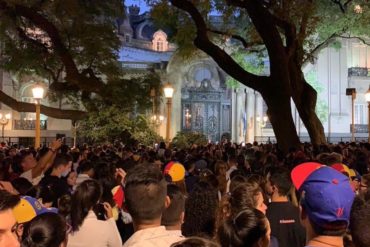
[202, 102]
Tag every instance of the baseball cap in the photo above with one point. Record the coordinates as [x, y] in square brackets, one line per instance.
[326, 193]
[28, 208]
[342, 168]
[175, 170]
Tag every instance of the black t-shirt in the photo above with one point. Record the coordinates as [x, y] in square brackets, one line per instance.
[57, 186]
[285, 224]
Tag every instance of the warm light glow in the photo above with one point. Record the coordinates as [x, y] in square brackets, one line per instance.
[258, 119]
[367, 96]
[357, 9]
[38, 91]
[8, 116]
[168, 91]
[265, 118]
[161, 118]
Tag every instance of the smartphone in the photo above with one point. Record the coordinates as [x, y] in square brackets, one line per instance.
[100, 212]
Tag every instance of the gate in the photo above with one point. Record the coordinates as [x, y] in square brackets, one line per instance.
[206, 110]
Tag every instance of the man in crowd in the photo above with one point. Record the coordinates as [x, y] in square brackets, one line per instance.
[360, 221]
[61, 167]
[282, 214]
[173, 216]
[145, 199]
[326, 201]
[33, 170]
[86, 169]
[8, 224]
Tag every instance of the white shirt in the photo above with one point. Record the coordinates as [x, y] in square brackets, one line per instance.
[95, 233]
[228, 173]
[28, 175]
[153, 237]
[80, 178]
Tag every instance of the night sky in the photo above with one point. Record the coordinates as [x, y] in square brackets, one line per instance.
[141, 3]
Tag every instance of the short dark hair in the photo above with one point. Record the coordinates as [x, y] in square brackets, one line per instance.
[85, 166]
[360, 222]
[171, 216]
[8, 200]
[61, 159]
[280, 177]
[145, 192]
[336, 228]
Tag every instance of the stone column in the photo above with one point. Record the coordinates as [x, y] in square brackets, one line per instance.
[250, 98]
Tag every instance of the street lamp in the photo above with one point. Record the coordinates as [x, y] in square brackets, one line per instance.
[4, 120]
[367, 97]
[168, 93]
[38, 94]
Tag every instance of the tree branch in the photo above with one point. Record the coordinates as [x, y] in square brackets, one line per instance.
[310, 56]
[342, 6]
[246, 45]
[91, 84]
[223, 59]
[355, 37]
[46, 110]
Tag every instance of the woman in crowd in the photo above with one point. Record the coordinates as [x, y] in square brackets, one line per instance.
[200, 211]
[195, 242]
[45, 230]
[248, 228]
[87, 229]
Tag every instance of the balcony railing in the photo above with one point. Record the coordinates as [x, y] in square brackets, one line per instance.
[359, 71]
[29, 124]
[360, 128]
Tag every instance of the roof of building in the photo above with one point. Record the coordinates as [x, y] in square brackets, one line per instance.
[131, 54]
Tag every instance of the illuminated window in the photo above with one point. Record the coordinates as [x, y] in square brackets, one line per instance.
[159, 41]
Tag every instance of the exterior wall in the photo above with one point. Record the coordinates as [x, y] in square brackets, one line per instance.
[54, 126]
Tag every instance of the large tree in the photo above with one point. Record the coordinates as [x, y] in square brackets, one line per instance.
[289, 32]
[73, 44]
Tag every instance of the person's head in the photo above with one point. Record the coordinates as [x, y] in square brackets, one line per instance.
[22, 185]
[45, 230]
[145, 194]
[278, 182]
[248, 228]
[8, 224]
[365, 183]
[45, 194]
[85, 197]
[200, 211]
[247, 195]
[173, 216]
[220, 168]
[360, 221]
[86, 167]
[195, 242]
[27, 161]
[236, 181]
[62, 164]
[326, 199]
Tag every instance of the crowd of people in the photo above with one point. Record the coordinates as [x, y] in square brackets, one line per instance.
[218, 195]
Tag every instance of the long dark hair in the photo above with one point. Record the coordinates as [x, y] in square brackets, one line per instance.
[243, 230]
[45, 230]
[200, 211]
[87, 195]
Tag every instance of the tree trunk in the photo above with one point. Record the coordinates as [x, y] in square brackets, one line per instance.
[305, 102]
[280, 115]
[305, 98]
